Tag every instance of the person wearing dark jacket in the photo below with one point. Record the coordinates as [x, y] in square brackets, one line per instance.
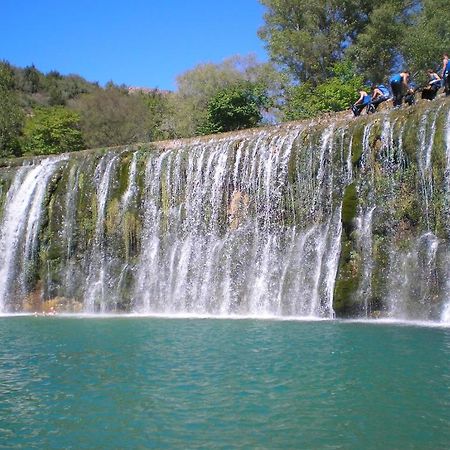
[430, 91]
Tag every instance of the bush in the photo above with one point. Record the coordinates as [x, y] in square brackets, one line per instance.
[335, 94]
[51, 131]
[234, 108]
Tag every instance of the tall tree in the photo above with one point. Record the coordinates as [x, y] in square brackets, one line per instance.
[308, 37]
[378, 49]
[429, 36]
[111, 117]
[11, 123]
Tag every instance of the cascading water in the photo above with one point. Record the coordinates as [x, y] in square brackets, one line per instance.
[311, 220]
[445, 317]
[207, 271]
[20, 224]
[95, 296]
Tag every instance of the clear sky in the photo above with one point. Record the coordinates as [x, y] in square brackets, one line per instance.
[139, 43]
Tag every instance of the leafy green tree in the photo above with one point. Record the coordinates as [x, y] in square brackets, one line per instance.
[308, 37]
[111, 117]
[158, 111]
[196, 87]
[52, 130]
[7, 76]
[335, 94]
[428, 36]
[378, 49]
[234, 108]
[31, 79]
[11, 123]
[11, 114]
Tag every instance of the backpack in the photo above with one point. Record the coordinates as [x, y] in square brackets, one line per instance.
[384, 90]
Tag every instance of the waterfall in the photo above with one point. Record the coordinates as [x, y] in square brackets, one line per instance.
[315, 219]
[445, 317]
[364, 238]
[427, 133]
[20, 224]
[244, 270]
[95, 297]
[412, 279]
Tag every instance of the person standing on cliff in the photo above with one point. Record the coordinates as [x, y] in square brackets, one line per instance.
[445, 75]
[400, 86]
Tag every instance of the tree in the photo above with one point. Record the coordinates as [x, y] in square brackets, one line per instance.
[429, 36]
[308, 37]
[158, 111]
[11, 114]
[11, 123]
[234, 108]
[378, 49]
[111, 117]
[52, 130]
[335, 94]
[31, 79]
[7, 76]
[196, 87]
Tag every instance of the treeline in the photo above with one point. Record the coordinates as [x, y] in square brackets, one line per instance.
[51, 113]
[322, 53]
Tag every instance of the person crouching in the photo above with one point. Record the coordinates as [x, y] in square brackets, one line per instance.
[363, 101]
[380, 93]
[430, 91]
[400, 87]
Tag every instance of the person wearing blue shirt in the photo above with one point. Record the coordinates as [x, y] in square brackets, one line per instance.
[363, 101]
[380, 93]
[399, 86]
[446, 74]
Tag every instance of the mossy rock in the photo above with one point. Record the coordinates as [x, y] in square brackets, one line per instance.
[349, 206]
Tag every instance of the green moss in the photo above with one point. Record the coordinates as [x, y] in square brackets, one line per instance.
[131, 233]
[292, 167]
[112, 216]
[349, 206]
[357, 143]
[347, 282]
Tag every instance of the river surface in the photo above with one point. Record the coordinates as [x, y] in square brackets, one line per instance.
[84, 383]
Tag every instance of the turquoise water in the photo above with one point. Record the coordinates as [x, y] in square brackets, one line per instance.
[178, 384]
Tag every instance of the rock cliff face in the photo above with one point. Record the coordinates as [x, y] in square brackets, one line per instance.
[343, 217]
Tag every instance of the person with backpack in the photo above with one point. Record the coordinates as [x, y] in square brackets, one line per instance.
[380, 93]
[400, 87]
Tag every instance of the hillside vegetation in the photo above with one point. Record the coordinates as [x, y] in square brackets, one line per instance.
[321, 55]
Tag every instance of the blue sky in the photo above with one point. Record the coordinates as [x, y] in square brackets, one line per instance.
[139, 43]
